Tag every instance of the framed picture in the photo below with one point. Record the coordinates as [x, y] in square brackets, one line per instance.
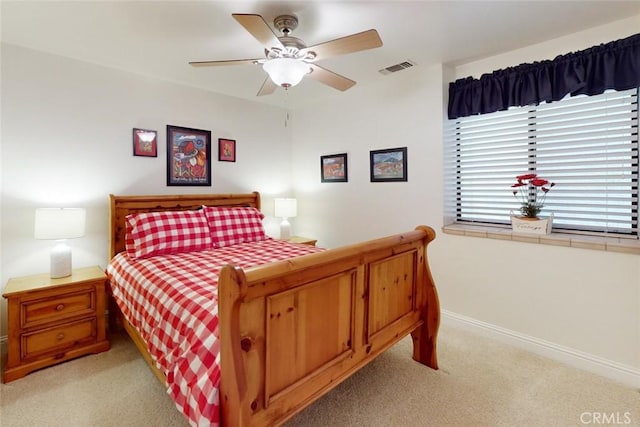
[188, 156]
[389, 164]
[333, 168]
[226, 150]
[145, 143]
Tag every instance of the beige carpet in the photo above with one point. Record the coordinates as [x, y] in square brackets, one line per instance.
[480, 383]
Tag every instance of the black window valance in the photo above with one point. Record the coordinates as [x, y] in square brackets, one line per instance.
[614, 65]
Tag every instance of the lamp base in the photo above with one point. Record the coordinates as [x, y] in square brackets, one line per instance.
[285, 229]
[60, 261]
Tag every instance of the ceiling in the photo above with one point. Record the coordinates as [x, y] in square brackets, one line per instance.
[159, 38]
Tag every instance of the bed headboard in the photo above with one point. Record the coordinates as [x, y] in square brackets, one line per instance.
[121, 206]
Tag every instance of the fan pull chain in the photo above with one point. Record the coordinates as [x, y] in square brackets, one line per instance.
[286, 105]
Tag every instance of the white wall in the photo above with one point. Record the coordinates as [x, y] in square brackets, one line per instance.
[581, 302]
[549, 50]
[404, 110]
[67, 141]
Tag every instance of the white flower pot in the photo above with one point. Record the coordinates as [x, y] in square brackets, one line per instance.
[520, 224]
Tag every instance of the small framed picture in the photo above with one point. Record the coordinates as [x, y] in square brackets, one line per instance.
[188, 156]
[333, 168]
[389, 165]
[226, 150]
[145, 143]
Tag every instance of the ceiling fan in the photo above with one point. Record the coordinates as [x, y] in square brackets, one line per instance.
[287, 59]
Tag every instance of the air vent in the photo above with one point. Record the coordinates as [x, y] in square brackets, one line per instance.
[397, 67]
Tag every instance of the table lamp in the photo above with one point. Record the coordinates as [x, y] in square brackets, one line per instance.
[285, 209]
[60, 224]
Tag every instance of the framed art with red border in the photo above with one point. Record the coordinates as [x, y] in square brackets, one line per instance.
[226, 150]
[145, 143]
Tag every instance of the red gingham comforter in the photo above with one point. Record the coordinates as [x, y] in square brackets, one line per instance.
[172, 301]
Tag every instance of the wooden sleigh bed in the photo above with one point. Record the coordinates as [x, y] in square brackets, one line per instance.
[273, 363]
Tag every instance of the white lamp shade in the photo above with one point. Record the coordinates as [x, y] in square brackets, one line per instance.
[286, 72]
[59, 223]
[286, 208]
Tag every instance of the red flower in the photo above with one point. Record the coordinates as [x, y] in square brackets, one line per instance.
[526, 177]
[539, 182]
[527, 193]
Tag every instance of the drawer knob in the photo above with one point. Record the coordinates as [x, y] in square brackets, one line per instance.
[60, 336]
[60, 307]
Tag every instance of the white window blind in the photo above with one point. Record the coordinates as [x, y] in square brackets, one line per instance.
[586, 145]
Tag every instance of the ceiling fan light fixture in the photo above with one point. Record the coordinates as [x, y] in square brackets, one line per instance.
[286, 72]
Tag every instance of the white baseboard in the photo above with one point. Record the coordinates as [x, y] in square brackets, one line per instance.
[588, 362]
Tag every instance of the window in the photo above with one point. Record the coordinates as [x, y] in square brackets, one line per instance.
[586, 145]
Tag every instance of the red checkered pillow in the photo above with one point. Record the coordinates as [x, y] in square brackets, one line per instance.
[170, 232]
[233, 225]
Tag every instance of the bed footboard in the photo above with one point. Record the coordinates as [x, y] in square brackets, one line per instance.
[293, 330]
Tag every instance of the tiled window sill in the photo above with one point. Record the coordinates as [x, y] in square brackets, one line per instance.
[612, 244]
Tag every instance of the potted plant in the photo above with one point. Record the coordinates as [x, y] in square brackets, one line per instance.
[531, 192]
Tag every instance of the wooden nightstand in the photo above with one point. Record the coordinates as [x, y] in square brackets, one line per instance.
[303, 240]
[54, 320]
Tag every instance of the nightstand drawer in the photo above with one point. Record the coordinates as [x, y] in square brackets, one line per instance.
[58, 339]
[55, 308]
